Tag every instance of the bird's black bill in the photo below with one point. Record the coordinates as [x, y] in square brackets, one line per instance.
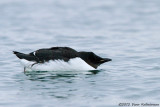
[105, 60]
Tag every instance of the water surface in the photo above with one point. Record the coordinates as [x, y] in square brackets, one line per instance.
[126, 31]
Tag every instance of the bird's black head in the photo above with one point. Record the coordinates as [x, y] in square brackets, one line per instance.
[92, 59]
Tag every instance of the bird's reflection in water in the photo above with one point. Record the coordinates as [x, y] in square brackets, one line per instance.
[61, 85]
[47, 75]
[95, 71]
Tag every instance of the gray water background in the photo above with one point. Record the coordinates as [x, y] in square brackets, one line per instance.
[128, 31]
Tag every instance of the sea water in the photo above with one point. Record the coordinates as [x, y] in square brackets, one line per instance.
[127, 31]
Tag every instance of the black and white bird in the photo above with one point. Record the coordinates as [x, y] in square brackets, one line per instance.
[60, 59]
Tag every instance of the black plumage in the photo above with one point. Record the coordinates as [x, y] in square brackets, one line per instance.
[62, 53]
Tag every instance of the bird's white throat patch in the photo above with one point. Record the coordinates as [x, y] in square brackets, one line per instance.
[75, 64]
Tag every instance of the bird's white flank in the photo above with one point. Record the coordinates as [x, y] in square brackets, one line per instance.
[75, 64]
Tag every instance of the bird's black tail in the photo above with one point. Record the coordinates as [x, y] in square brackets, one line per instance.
[25, 56]
[15, 52]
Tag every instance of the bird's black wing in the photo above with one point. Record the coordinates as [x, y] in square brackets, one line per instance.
[55, 53]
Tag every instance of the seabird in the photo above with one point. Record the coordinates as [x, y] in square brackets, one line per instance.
[59, 57]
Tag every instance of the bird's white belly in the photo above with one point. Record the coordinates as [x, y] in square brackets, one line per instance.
[75, 64]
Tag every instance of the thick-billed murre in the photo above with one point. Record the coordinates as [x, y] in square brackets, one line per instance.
[60, 57]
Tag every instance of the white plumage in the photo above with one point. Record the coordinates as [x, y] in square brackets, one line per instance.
[75, 64]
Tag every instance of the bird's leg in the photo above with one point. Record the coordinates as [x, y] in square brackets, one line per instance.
[34, 64]
[24, 69]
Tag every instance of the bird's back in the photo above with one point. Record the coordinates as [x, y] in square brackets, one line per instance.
[55, 53]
